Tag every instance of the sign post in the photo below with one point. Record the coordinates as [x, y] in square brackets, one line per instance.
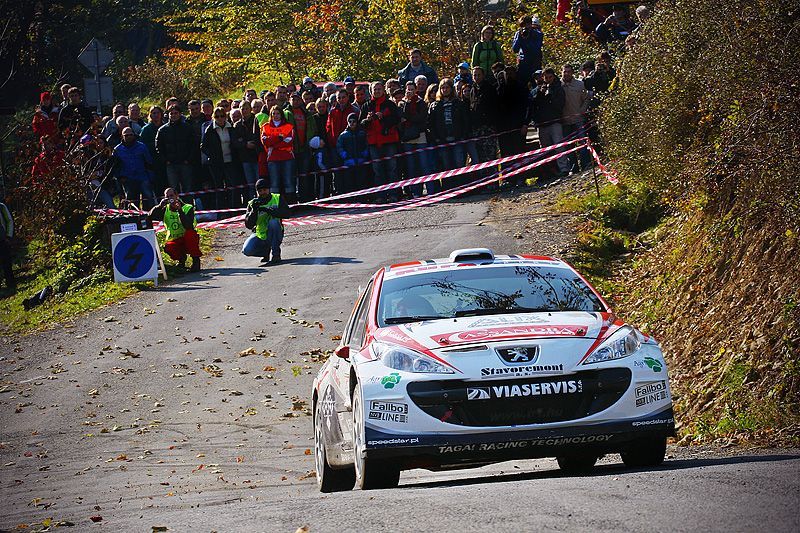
[135, 256]
[97, 57]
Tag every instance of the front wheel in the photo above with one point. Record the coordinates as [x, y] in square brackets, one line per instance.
[370, 473]
[328, 479]
[645, 452]
[576, 463]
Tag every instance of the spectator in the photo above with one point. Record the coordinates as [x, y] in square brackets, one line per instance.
[250, 95]
[337, 117]
[148, 137]
[350, 85]
[171, 101]
[642, 13]
[512, 112]
[321, 147]
[421, 84]
[486, 52]
[328, 90]
[45, 118]
[413, 133]
[392, 85]
[299, 118]
[282, 96]
[548, 108]
[398, 95]
[464, 75]
[448, 121]
[133, 169]
[103, 184]
[616, 27]
[527, 45]
[360, 95]
[277, 137]
[175, 143]
[217, 143]
[354, 152]
[110, 128]
[198, 163]
[308, 98]
[207, 109]
[483, 114]
[309, 87]
[115, 138]
[573, 116]
[380, 118]
[50, 159]
[6, 250]
[247, 145]
[263, 216]
[64, 90]
[430, 93]
[135, 118]
[75, 116]
[179, 219]
[416, 66]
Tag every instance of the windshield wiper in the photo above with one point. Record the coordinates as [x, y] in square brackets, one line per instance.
[503, 310]
[412, 318]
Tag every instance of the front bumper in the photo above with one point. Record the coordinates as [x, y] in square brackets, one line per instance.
[442, 450]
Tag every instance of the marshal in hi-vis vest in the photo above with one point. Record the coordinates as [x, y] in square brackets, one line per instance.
[263, 217]
[172, 220]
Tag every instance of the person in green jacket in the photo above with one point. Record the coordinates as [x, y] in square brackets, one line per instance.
[486, 52]
[181, 225]
[263, 216]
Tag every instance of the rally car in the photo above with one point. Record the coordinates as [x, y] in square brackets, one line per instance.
[476, 359]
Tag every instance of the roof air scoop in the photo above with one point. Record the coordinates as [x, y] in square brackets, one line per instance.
[472, 254]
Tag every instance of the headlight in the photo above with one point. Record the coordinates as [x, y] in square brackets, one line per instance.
[621, 344]
[407, 360]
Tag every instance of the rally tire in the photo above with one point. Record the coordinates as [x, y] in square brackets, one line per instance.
[370, 473]
[645, 452]
[579, 463]
[328, 479]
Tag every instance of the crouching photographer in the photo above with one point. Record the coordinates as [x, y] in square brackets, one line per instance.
[263, 217]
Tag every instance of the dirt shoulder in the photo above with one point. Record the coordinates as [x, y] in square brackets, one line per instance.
[531, 217]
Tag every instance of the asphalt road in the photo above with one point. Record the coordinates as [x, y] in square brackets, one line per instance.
[153, 412]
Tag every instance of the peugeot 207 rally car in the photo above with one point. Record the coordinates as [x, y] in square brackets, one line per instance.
[475, 359]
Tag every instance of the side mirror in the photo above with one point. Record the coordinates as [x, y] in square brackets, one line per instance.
[343, 352]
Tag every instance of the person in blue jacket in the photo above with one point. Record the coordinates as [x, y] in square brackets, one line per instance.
[133, 166]
[527, 44]
[354, 152]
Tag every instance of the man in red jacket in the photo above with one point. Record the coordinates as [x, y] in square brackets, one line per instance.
[380, 117]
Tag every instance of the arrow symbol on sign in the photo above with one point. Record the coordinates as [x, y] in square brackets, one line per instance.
[134, 257]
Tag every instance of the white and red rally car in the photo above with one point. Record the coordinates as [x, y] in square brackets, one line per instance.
[478, 358]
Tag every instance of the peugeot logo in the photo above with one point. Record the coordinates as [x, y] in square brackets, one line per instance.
[478, 393]
[519, 355]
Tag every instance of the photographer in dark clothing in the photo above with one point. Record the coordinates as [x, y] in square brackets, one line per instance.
[263, 216]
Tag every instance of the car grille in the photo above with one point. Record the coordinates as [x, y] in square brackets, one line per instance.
[521, 401]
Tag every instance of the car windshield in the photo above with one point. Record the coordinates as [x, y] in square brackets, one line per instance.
[483, 291]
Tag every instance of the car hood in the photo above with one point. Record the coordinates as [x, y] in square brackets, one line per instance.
[438, 334]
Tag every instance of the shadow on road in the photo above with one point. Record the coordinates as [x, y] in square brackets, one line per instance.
[325, 260]
[607, 470]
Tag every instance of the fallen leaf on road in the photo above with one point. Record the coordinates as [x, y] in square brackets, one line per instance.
[235, 393]
[310, 473]
[248, 351]
[149, 311]
[284, 478]
[158, 529]
[250, 411]
[110, 318]
[96, 518]
[228, 307]
[240, 459]
[269, 368]
[172, 300]
[307, 451]
[122, 457]
[179, 317]
[214, 370]
[321, 327]
[303, 529]
[218, 258]
[94, 392]
[296, 370]
[325, 298]
[336, 338]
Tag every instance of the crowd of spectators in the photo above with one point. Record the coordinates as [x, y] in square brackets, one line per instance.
[291, 135]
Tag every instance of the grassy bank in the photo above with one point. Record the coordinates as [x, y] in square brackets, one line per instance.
[81, 277]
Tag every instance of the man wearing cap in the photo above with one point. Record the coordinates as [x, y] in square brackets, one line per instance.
[415, 67]
[527, 44]
[308, 86]
[464, 74]
[263, 217]
[182, 237]
[350, 87]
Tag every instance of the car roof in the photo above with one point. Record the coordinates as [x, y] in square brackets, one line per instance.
[447, 263]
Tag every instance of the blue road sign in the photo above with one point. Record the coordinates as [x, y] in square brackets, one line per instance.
[133, 256]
